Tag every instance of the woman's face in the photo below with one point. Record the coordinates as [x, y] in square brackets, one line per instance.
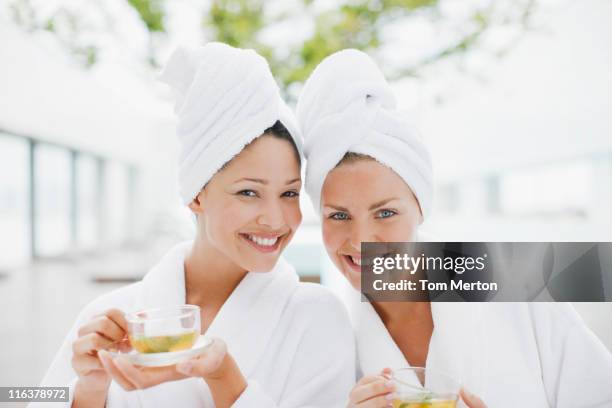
[364, 201]
[250, 210]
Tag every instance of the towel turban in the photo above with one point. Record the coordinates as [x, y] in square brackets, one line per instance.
[225, 98]
[347, 105]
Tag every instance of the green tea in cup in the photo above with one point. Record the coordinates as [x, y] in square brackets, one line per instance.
[164, 330]
[434, 403]
[417, 387]
[161, 344]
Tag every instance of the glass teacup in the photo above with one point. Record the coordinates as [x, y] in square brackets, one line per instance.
[417, 387]
[164, 329]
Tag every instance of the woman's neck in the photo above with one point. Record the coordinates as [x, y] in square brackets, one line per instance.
[392, 313]
[210, 277]
[410, 325]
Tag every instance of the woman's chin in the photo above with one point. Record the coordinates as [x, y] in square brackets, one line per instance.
[260, 265]
[353, 278]
[255, 258]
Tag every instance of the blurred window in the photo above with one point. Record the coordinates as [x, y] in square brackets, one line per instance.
[116, 201]
[554, 190]
[52, 201]
[87, 201]
[14, 205]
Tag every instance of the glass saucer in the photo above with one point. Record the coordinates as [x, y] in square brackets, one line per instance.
[168, 358]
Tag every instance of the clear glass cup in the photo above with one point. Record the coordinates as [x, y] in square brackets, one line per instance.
[418, 387]
[166, 329]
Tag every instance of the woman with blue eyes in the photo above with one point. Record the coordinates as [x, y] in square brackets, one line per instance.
[370, 178]
[277, 342]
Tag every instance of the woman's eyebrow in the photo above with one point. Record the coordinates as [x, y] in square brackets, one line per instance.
[253, 180]
[336, 207]
[293, 180]
[265, 182]
[381, 203]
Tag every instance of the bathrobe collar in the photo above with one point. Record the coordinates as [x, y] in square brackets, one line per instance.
[248, 317]
[458, 344]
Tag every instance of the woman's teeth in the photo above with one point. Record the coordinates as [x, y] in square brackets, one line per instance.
[355, 260]
[263, 241]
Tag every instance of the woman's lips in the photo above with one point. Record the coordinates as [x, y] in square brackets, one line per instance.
[263, 243]
[350, 261]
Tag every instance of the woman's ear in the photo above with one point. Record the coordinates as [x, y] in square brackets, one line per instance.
[196, 205]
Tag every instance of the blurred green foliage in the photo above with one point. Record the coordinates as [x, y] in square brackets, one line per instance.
[63, 23]
[151, 13]
[353, 23]
[238, 23]
[356, 24]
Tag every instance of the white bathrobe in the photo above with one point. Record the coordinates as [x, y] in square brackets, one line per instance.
[292, 341]
[528, 355]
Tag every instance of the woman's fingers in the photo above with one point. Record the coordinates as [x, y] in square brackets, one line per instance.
[368, 379]
[365, 392]
[112, 370]
[387, 373]
[130, 373]
[111, 325]
[206, 363]
[118, 317]
[471, 400]
[102, 332]
[381, 401]
[103, 326]
[124, 346]
[131, 377]
[89, 343]
[105, 331]
[86, 364]
[144, 377]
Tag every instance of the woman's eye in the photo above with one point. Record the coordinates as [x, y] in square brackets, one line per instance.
[247, 193]
[340, 216]
[386, 213]
[291, 194]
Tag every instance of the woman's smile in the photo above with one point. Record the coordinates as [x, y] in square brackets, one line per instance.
[264, 242]
[353, 261]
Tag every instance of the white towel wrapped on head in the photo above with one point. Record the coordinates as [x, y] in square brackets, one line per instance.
[347, 106]
[225, 98]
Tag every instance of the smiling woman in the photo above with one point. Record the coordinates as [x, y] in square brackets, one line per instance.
[277, 342]
[250, 209]
[381, 205]
[373, 183]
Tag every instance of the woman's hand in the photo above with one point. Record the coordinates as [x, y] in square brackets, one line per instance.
[209, 365]
[471, 400]
[372, 391]
[221, 373]
[131, 377]
[108, 330]
[215, 366]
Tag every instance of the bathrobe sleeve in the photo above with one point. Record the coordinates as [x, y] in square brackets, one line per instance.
[61, 373]
[325, 357]
[576, 366]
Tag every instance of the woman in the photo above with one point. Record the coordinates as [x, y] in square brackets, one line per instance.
[278, 342]
[371, 179]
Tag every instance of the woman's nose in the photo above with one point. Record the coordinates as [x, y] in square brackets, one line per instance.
[360, 232]
[272, 215]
